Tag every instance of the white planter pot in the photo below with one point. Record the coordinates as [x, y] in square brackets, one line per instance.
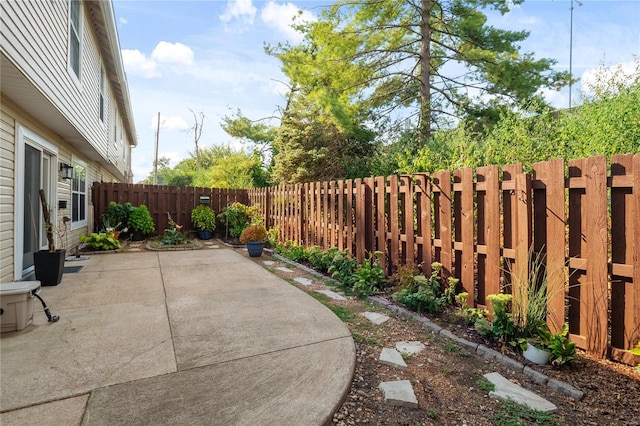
[535, 355]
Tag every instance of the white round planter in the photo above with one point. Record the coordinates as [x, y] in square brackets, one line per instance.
[535, 355]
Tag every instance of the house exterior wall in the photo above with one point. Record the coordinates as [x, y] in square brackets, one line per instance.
[39, 92]
[35, 37]
[12, 117]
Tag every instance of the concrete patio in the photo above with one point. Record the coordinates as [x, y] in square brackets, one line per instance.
[201, 337]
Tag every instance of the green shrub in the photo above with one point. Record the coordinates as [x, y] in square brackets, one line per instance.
[140, 220]
[342, 267]
[563, 351]
[422, 294]
[117, 215]
[368, 277]
[293, 251]
[237, 216]
[203, 218]
[174, 235]
[101, 241]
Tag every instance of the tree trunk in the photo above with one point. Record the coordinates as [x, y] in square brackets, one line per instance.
[425, 73]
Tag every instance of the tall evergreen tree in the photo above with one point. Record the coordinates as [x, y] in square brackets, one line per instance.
[425, 60]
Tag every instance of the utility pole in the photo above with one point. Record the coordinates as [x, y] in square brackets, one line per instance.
[571, 52]
[155, 157]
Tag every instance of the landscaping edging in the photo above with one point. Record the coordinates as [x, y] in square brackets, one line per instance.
[480, 349]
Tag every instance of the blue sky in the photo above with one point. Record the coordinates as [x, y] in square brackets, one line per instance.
[208, 56]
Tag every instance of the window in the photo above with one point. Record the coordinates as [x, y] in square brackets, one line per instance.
[74, 36]
[79, 195]
[102, 84]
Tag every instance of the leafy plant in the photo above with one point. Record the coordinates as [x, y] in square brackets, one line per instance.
[422, 294]
[203, 218]
[563, 351]
[342, 267]
[174, 235]
[293, 251]
[237, 216]
[117, 214]
[513, 414]
[485, 384]
[101, 241]
[470, 315]
[253, 233]
[368, 277]
[140, 220]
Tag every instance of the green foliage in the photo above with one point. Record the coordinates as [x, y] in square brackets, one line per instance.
[237, 216]
[203, 218]
[563, 351]
[140, 220]
[342, 267]
[174, 235]
[272, 238]
[101, 241]
[485, 384]
[513, 414]
[469, 315]
[422, 294]
[368, 277]
[293, 251]
[117, 214]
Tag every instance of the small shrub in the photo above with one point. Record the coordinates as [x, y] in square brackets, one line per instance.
[368, 277]
[422, 294]
[293, 251]
[253, 234]
[101, 241]
[237, 216]
[563, 351]
[203, 218]
[140, 220]
[342, 267]
[117, 214]
[174, 235]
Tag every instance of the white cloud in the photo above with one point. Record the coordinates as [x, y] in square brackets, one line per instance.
[173, 123]
[280, 16]
[173, 156]
[243, 10]
[177, 53]
[123, 21]
[135, 62]
[623, 73]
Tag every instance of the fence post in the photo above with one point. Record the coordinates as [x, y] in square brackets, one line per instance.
[549, 234]
[394, 225]
[442, 209]
[463, 221]
[423, 212]
[488, 199]
[381, 222]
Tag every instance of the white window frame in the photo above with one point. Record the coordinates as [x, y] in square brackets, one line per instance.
[102, 107]
[77, 33]
[81, 222]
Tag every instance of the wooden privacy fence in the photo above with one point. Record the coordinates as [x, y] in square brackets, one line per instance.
[160, 200]
[585, 224]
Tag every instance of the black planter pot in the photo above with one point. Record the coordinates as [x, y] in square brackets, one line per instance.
[49, 266]
[204, 235]
[255, 249]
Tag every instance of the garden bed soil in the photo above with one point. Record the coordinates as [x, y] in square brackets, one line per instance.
[446, 377]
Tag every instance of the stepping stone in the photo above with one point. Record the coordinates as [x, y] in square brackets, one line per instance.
[283, 269]
[213, 246]
[376, 317]
[304, 281]
[507, 390]
[332, 294]
[392, 358]
[410, 348]
[134, 249]
[399, 392]
[268, 262]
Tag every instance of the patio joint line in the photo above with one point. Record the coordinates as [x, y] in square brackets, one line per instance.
[166, 309]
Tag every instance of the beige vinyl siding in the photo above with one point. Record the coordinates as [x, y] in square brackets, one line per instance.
[36, 38]
[11, 116]
[7, 156]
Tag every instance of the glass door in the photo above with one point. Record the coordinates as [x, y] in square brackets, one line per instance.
[37, 175]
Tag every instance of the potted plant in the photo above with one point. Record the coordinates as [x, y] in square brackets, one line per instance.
[253, 236]
[537, 347]
[204, 219]
[140, 222]
[49, 264]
